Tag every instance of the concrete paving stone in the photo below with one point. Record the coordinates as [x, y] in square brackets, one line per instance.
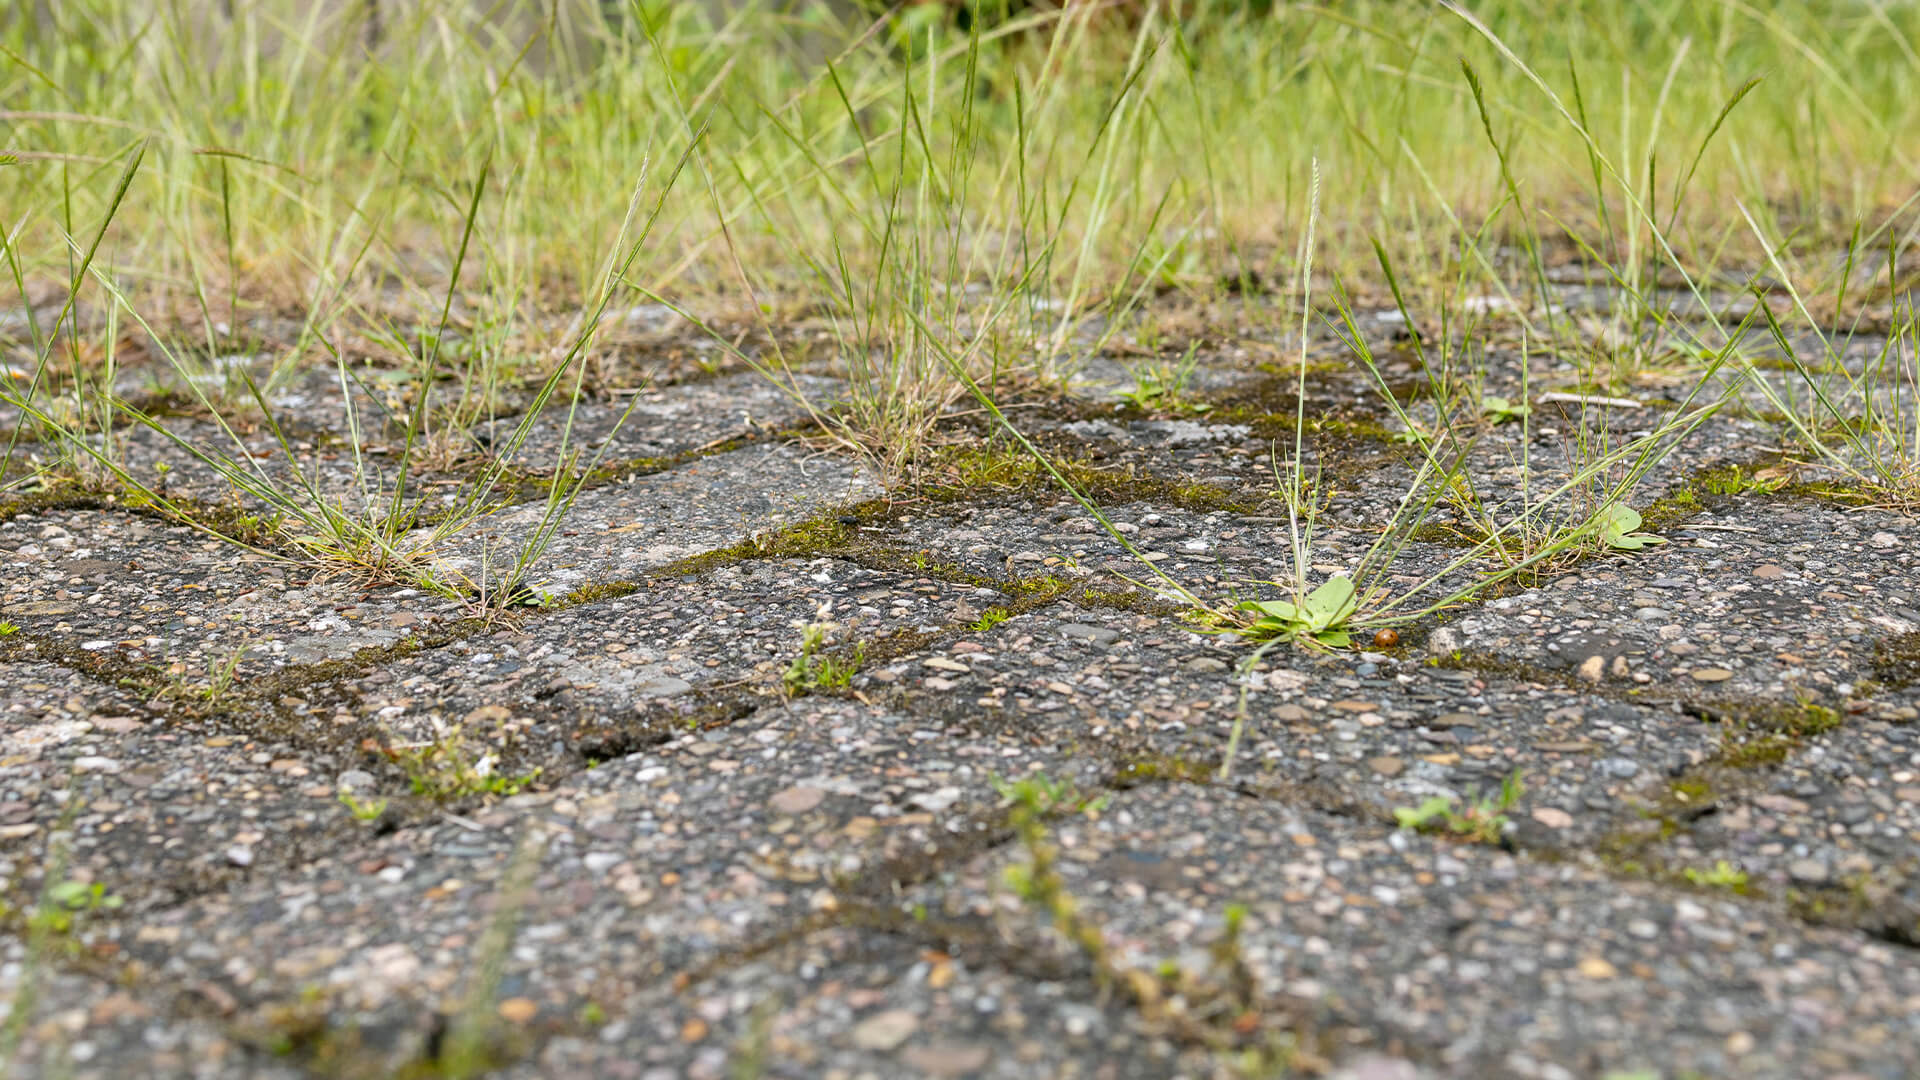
[666, 421]
[850, 1001]
[1368, 731]
[588, 678]
[705, 872]
[1831, 825]
[85, 1027]
[667, 861]
[1785, 601]
[620, 531]
[1480, 963]
[163, 603]
[155, 809]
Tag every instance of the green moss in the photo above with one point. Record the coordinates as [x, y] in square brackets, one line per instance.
[237, 523]
[826, 534]
[1042, 588]
[1710, 487]
[1434, 532]
[1159, 768]
[966, 471]
[1733, 480]
[1797, 721]
[593, 594]
[1896, 660]
[1759, 752]
[1670, 510]
[1691, 789]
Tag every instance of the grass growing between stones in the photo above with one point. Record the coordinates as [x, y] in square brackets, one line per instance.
[1526, 254]
[1220, 1010]
[1012, 197]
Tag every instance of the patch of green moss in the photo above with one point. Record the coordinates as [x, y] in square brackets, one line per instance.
[232, 521]
[1896, 660]
[1160, 768]
[1691, 789]
[965, 471]
[1797, 721]
[1036, 589]
[593, 594]
[1758, 752]
[1434, 532]
[1709, 487]
[827, 534]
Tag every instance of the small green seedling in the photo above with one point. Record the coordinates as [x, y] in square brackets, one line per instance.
[1161, 385]
[69, 901]
[1500, 410]
[363, 810]
[1321, 617]
[7, 628]
[1483, 823]
[1619, 525]
[814, 670]
[1436, 809]
[989, 619]
[1723, 875]
[447, 767]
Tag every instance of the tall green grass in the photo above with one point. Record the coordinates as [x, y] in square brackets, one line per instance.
[914, 207]
[291, 164]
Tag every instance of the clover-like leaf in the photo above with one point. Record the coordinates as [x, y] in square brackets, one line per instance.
[1284, 610]
[1618, 529]
[1502, 410]
[1331, 602]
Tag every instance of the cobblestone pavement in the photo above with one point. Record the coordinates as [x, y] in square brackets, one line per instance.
[783, 771]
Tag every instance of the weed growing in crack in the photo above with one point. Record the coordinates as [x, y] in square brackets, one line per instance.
[68, 904]
[1320, 617]
[213, 690]
[451, 766]
[373, 525]
[989, 619]
[1620, 529]
[1484, 821]
[1221, 1009]
[1721, 875]
[469, 1040]
[1499, 410]
[475, 1041]
[61, 907]
[367, 810]
[1038, 883]
[814, 669]
[1163, 386]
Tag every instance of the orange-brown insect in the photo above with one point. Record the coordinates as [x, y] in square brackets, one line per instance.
[1386, 639]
